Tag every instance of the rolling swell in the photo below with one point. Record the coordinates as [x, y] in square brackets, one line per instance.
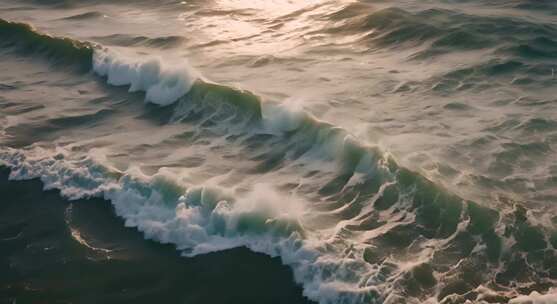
[126, 40]
[162, 83]
[514, 50]
[27, 41]
[84, 16]
[379, 209]
[434, 32]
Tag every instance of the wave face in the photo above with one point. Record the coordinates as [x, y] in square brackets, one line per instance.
[208, 167]
[25, 40]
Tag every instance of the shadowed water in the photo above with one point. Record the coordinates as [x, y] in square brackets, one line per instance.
[57, 251]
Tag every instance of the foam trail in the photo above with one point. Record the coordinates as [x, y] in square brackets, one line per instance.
[202, 219]
[162, 83]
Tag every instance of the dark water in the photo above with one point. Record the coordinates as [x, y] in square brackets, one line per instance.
[386, 152]
[41, 262]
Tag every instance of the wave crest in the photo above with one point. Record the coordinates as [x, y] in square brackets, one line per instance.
[25, 39]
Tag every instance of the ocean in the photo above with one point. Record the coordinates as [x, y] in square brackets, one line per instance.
[278, 151]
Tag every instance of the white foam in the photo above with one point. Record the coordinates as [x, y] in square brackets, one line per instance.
[536, 298]
[204, 219]
[283, 117]
[162, 82]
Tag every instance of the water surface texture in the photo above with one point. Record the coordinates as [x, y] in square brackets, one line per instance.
[384, 151]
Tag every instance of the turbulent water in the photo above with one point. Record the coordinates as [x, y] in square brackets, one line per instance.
[386, 151]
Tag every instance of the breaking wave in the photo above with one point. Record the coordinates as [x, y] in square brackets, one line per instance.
[377, 234]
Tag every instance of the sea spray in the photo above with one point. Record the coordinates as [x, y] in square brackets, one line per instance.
[163, 83]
